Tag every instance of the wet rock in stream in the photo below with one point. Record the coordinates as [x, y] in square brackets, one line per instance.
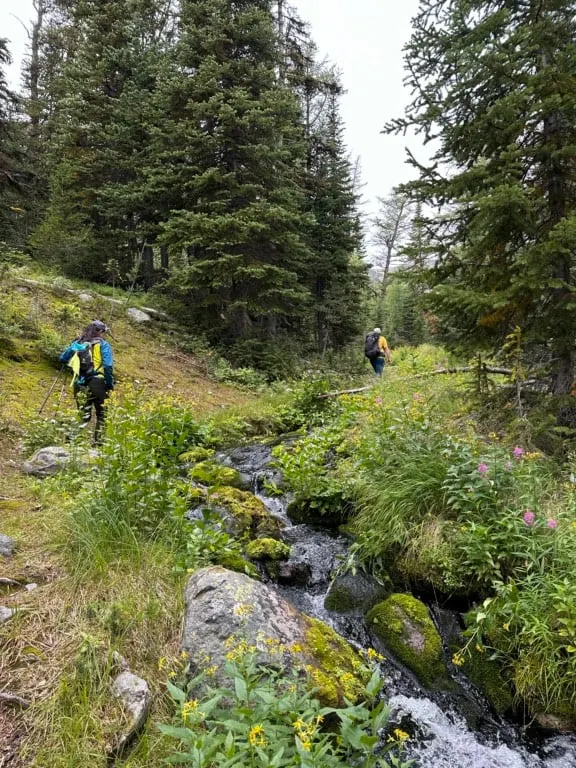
[222, 604]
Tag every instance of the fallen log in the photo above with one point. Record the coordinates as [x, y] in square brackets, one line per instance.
[440, 371]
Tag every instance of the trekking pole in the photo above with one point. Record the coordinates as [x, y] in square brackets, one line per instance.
[50, 390]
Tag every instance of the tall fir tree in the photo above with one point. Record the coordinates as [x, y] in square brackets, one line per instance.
[11, 157]
[99, 132]
[335, 272]
[495, 93]
[232, 159]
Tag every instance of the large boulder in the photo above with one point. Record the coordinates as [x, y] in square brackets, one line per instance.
[53, 459]
[404, 625]
[47, 461]
[223, 608]
[354, 593]
[138, 316]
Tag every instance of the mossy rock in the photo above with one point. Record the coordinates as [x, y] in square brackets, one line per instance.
[235, 562]
[403, 624]
[354, 594]
[194, 455]
[487, 677]
[340, 671]
[211, 474]
[248, 512]
[195, 494]
[267, 549]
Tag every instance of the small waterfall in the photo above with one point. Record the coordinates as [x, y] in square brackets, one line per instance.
[449, 731]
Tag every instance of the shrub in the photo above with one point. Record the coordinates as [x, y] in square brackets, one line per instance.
[135, 494]
[266, 716]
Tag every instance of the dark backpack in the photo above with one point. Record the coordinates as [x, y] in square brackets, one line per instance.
[371, 348]
[84, 367]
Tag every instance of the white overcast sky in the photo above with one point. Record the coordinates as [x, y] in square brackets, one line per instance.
[364, 38]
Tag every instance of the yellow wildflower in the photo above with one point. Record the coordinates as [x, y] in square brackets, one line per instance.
[188, 707]
[506, 626]
[296, 648]
[162, 663]
[401, 735]
[479, 648]
[211, 671]
[184, 656]
[458, 659]
[256, 736]
[306, 745]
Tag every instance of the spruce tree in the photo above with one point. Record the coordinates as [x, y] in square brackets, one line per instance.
[231, 162]
[98, 134]
[11, 157]
[495, 94]
[335, 273]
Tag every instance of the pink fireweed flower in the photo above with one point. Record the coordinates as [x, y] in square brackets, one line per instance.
[529, 517]
[518, 452]
[552, 523]
[482, 468]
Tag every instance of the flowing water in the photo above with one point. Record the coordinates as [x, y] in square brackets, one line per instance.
[449, 730]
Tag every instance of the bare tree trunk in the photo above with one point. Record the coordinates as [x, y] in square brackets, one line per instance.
[35, 109]
[384, 282]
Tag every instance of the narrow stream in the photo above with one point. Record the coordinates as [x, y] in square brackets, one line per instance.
[456, 730]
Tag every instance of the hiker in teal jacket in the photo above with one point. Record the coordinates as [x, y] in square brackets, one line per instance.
[90, 357]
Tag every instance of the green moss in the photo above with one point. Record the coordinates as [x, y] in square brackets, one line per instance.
[13, 505]
[268, 549]
[403, 624]
[212, 474]
[194, 495]
[487, 677]
[250, 512]
[235, 562]
[199, 453]
[337, 670]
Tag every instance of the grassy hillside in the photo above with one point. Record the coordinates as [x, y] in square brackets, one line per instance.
[52, 650]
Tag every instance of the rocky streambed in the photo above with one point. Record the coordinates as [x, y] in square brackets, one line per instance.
[457, 717]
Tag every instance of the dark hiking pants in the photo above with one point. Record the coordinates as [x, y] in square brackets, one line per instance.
[378, 365]
[93, 394]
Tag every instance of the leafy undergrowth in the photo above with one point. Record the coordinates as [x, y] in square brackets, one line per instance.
[57, 650]
[441, 507]
[108, 549]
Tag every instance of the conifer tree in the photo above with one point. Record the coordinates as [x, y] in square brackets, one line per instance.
[98, 133]
[495, 90]
[335, 273]
[232, 158]
[11, 174]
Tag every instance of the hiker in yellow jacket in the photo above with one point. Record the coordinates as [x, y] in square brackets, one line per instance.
[377, 351]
